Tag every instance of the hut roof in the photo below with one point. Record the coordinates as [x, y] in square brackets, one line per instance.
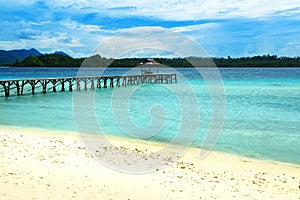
[149, 62]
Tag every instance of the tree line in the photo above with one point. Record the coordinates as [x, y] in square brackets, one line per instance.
[58, 60]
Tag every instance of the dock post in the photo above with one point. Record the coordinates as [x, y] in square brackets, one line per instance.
[44, 84]
[85, 84]
[98, 83]
[92, 83]
[130, 80]
[124, 81]
[22, 87]
[18, 87]
[78, 84]
[105, 82]
[54, 85]
[62, 81]
[6, 88]
[32, 83]
[111, 84]
[70, 84]
[118, 81]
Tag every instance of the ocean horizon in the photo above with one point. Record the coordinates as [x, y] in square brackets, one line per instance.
[262, 108]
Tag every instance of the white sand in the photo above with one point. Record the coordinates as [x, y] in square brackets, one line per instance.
[38, 164]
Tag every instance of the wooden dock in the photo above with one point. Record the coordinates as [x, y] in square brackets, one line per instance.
[30, 86]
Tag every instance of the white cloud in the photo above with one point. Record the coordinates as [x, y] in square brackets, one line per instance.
[184, 9]
[79, 26]
[9, 45]
[41, 23]
[198, 27]
[46, 40]
[83, 35]
[156, 40]
[290, 49]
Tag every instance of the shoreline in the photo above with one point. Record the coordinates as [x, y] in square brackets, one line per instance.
[40, 164]
[135, 140]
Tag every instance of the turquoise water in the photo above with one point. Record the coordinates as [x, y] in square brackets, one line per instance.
[262, 109]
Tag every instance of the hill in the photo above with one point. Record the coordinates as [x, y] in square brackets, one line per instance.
[50, 60]
[61, 60]
[12, 56]
[61, 53]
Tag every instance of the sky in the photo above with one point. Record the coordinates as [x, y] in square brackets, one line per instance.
[235, 28]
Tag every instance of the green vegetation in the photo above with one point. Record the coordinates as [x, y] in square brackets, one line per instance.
[9, 57]
[258, 61]
[50, 60]
[58, 60]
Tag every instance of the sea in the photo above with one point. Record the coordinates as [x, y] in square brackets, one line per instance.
[261, 113]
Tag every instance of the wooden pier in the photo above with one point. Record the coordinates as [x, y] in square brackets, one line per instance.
[23, 86]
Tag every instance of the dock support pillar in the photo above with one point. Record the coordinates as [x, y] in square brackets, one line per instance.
[92, 84]
[98, 83]
[32, 83]
[44, 84]
[70, 85]
[22, 87]
[105, 82]
[111, 82]
[6, 88]
[62, 81]
[118, 81]
[78, 84]
[85, 84]
[18, 87]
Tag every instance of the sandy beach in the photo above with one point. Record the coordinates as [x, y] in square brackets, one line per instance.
[39, 164]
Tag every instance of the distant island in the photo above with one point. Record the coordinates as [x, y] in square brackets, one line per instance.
[33, 58]
[10, 57]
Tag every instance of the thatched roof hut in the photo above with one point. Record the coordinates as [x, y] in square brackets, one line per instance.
[148, 65]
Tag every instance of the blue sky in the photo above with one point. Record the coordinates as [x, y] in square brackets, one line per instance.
[222, 27]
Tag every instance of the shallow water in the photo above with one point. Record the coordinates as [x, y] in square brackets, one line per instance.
[262, 109]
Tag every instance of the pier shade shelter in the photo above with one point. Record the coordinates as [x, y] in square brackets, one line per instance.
[148, 66]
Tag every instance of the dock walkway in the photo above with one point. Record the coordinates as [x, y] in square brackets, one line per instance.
[23, 86]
